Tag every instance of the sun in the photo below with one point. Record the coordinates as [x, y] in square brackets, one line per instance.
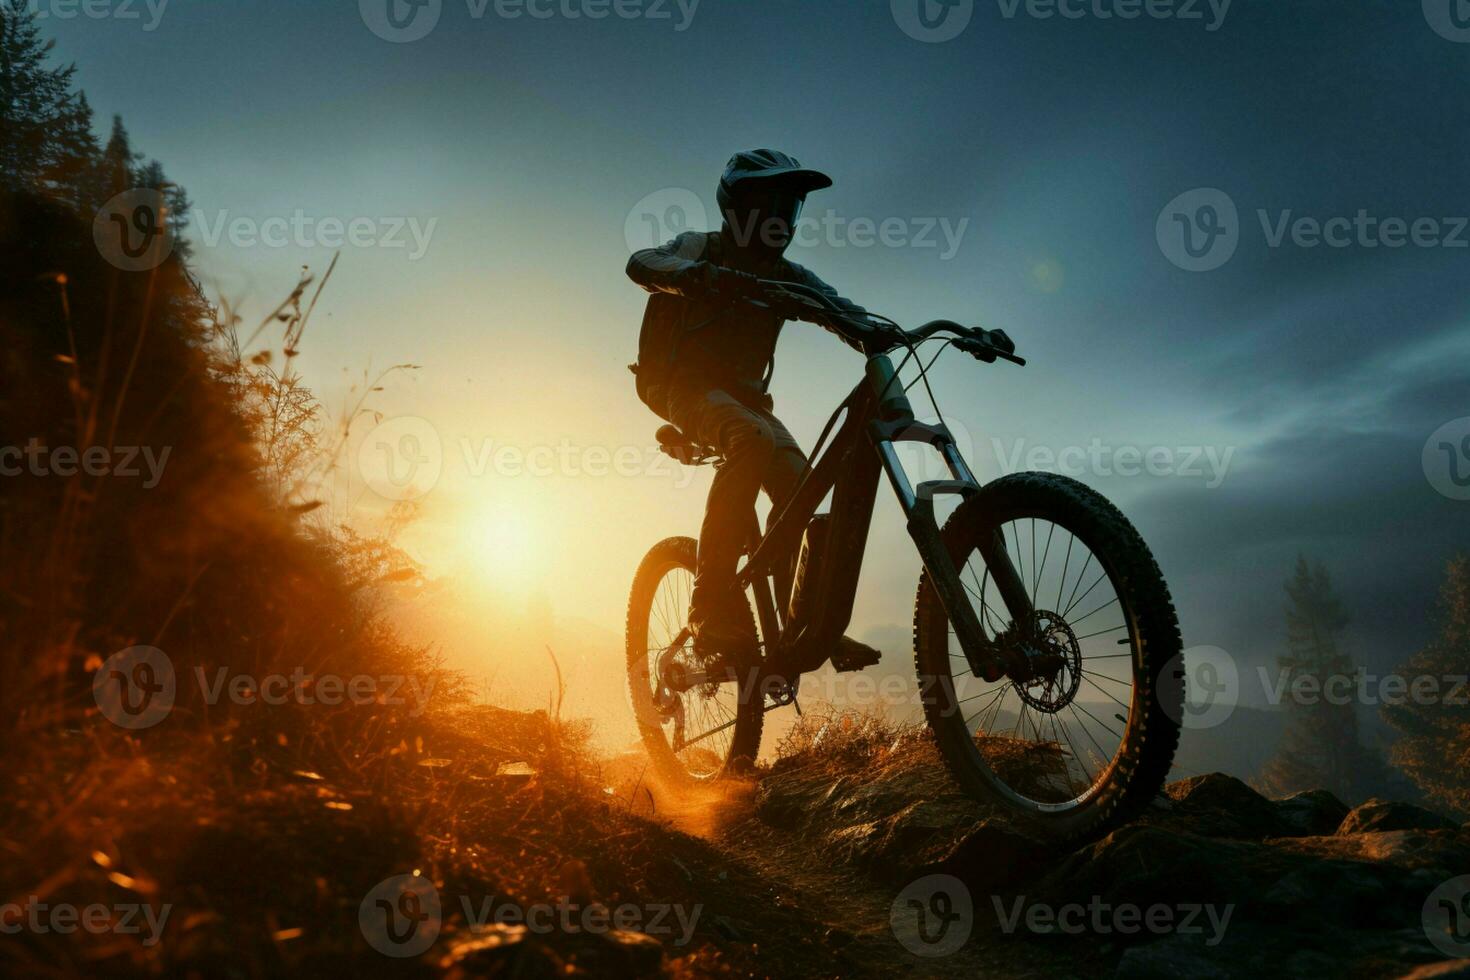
[502, 538]
[503, 545]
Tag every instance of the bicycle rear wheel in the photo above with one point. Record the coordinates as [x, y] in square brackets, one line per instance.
[708, 730]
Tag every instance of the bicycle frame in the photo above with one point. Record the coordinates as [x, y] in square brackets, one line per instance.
[878, 415]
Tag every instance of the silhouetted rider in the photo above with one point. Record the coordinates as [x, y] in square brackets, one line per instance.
[705, 362]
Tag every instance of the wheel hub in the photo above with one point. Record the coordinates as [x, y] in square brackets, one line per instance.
[1055, 660]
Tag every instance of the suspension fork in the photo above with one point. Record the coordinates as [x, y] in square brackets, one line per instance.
[896, 423]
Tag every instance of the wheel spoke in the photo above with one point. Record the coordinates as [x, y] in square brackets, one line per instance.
[1073, 598]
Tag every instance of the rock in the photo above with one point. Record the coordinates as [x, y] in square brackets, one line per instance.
[623, 953]
[498, 950]
[1269, 882]
[1144, 864]
[1169, 959]
[1379, 814]
[992, 856]
[1217, 805]
[1447, 970]
[1312, 812]
[1446, 852]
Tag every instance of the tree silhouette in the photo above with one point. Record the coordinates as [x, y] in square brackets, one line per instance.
[1434, 750]
[46, 140]
[1320, 747]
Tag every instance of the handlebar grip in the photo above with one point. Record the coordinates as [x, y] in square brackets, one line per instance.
[987, 352]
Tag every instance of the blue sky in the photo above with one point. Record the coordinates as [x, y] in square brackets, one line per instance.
[522, 145]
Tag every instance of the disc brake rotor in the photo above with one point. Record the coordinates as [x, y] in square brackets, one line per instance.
[1056, 663]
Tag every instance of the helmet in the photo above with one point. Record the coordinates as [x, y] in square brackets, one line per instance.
[760, 196]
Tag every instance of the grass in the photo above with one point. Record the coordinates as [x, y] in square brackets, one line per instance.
[254, 831]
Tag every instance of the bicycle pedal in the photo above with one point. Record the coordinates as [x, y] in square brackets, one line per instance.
[780, 695]
[851, 655]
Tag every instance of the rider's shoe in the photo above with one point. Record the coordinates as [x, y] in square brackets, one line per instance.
[852, 655]
[723, 630]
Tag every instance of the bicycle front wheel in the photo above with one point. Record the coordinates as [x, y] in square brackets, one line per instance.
[1087, 742]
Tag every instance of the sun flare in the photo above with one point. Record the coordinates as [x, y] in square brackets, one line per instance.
[502, 544]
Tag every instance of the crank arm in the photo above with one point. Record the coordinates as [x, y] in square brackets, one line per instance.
[689, 679]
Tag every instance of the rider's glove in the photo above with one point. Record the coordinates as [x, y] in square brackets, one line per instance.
[999, 340]
[732, 283]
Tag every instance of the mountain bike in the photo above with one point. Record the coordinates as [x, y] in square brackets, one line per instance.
[1045, 640]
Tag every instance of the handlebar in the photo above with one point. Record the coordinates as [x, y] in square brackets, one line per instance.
[972, 340]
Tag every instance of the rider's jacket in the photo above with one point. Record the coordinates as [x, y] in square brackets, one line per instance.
[716, 343]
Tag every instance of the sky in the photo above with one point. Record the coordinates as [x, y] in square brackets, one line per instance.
[1290, 376]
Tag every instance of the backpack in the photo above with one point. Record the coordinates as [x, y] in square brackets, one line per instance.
[661, 334]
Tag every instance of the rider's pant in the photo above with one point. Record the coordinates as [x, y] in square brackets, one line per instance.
[760, 453]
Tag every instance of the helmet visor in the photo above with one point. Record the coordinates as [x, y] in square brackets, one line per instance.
[770, 216]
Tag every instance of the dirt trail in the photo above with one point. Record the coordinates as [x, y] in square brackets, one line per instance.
[854, 911]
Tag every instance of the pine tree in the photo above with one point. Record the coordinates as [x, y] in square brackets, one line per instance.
[119, 165]
[1434, 750]
[1320, 747]
[46, 140]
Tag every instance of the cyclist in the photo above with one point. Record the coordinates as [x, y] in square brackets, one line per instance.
[705, 362]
